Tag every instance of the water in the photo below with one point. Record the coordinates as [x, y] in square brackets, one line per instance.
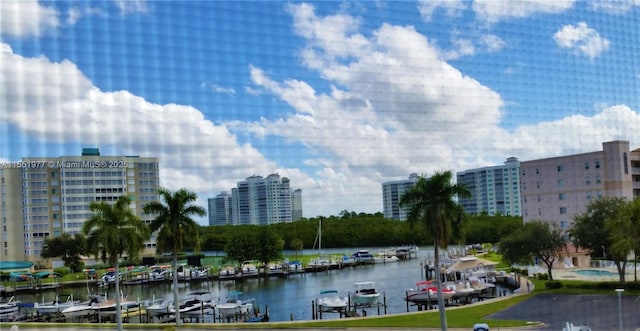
[591, 272]
[291, 297]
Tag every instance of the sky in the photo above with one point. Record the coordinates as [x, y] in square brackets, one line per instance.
[339, 97]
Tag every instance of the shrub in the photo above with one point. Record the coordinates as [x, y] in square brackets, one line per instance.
[62, 270]
[553, 284]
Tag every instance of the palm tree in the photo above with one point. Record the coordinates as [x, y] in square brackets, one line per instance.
[112, 231]
[432, 202]
[175, 228]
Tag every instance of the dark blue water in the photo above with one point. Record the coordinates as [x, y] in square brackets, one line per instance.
[290, 297]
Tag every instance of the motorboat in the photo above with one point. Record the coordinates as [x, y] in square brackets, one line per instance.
[427, 291]
[200, 273]
[195, 303]
[331, 301]
[83, 308]
[9, 309]
[227, 272]
[108, 278]
[159, 273]
[365, 294]
[108, 307]
[248, 269]
[363, 256]
[275, 269]
[61, 302]
[158, 307]
[233, 306]
[295, 267]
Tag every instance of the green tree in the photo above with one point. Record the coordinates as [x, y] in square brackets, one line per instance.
[431, 201]
[112, 231]
[270, 246]
[538, 239]
[297, 245]
[242, 247]
[589, 230]
[624, 231]
[67, 248]
[175, 228]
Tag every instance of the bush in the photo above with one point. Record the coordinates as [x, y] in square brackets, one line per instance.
[553, 284]
[62, 270]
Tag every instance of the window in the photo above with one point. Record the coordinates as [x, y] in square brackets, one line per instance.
[563, 210]
[597, 164]
[586, 166]
[537, 171]
[598, 180]
[560, 168]
[587, 180]
[561, 196]
[561, 182]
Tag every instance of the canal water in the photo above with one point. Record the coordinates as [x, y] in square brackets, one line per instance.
[288, 298]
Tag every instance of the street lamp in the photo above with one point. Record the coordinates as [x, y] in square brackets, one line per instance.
[620, 290]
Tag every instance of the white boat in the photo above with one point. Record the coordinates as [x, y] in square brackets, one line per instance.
[275, 269]
[427, 291]
[108, 278]
[158, 307]
[61, 302]
[234, 306]
[365, 294]
[227, 272]
[200, 273]
[108, 307]
[9, 310]
[84, 308]
[295, 267]
[195, 303]
[159, 273]
[248, 269]
[363, 256]
[331, 301]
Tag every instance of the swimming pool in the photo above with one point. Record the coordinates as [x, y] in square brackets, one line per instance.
[595, 272]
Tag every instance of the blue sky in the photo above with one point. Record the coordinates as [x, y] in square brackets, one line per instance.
[337, 96]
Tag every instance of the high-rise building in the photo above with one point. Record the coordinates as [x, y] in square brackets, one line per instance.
[556, 189]
[391, 193]
[45, 197]
[257, 201]
[494, 190]
[296, 205]
[220, 209]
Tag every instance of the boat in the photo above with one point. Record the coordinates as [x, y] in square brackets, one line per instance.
[331, 301]
[248, 270]
[158, 307]
[322, 262]
[275, 269]
[195, 303]
[108, 278]
[227, 272]
[159, 273]
[365, 294]
[84, 308]
[363, 256]
[233, 306]
[427, 291]
[386, 257]
[61, 302]
[9, 310]
[295, 267]
[108, 307]
[199, 273]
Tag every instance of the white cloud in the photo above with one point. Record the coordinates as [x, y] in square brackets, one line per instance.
[581, 39]
[614, 7]
[218, 89]
[492, 11]
[26, 18]
[76, 13]
[452, 8]
[131, 6]
[492, 42]
[55, 102]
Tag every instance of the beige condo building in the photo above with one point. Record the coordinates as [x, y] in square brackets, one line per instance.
[45, 197]
[556, 189]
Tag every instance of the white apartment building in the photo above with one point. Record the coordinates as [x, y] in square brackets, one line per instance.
[45, 197]
[494, 190]
[392, 191]
[257, 201]
[556, 189]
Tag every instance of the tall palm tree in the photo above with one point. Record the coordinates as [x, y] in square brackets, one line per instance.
[112, 231]
[175, 228]
[431, 201]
